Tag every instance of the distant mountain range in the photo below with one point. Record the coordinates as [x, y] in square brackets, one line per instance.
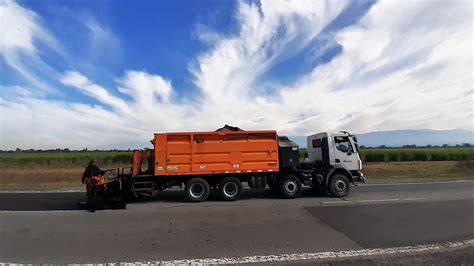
[398, 138]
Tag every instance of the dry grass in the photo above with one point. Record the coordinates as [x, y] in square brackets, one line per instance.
[44, 177]
[418, 171]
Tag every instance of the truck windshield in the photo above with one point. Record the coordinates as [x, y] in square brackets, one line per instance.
[343, 144]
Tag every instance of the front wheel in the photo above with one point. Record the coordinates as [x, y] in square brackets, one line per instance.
[230, 188]
[339, 185]
[197, 189]
[289, 187]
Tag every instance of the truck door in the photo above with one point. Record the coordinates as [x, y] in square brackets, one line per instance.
[345, 154]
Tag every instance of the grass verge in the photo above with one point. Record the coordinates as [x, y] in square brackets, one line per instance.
[418, 171]
[54, 177]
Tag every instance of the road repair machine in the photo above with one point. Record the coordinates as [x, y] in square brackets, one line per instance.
[224, 159]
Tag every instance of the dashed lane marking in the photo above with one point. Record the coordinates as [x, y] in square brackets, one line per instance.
[416, 183]
[370, 200]
[415, 199]
[339, 201]
[377, 200]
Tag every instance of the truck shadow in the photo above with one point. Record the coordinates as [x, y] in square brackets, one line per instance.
[69, 201]
[178, 196]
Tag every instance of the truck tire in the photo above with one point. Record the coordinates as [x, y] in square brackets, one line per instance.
[197, 189]
[339, 185]
[289, 187]
[230, 188]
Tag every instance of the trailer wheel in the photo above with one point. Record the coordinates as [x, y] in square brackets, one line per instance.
[339, 186]
[230, 188]
[289, 187]
[197, 189]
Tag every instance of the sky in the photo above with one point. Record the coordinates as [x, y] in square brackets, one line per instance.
[108, 74]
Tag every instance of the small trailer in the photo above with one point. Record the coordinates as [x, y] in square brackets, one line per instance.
[223, 160]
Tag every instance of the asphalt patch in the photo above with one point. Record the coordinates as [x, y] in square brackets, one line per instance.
[400, 224]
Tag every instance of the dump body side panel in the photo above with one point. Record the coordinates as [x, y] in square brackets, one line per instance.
[198, 153]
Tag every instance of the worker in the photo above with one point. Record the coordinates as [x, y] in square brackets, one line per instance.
[92, 177]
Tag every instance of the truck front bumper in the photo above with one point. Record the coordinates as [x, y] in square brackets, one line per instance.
[359, 177]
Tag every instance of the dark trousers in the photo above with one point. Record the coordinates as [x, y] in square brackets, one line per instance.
[91, 192]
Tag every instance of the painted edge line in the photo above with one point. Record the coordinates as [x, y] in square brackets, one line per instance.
[318, 255]
[415, 183]
[41, 191]
[361, 185]
[296, 256]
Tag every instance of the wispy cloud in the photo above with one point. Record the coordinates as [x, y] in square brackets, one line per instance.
[21, 30]
[399, 67]
[104, 45]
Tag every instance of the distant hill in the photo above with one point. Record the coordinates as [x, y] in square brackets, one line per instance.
[398, 138]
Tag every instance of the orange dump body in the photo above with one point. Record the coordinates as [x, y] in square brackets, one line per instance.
[191, 153]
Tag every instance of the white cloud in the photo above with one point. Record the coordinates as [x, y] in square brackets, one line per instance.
[145, 87]
[404, 65]
[104, 45]
[20, 29]
[77, 80]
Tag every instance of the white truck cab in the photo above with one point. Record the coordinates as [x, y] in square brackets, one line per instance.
[336, 152]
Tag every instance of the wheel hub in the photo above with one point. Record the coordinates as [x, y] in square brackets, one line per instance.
[340, 186]
[291, 187]
[230, 189]
[196, 190]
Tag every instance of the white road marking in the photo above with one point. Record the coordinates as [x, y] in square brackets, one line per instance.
[416, 183]
[371, 200]
[361, 185]
[298, 256]
[42, 191]
[318, 255]
[377, 200]
[415, 199]
[340, 201]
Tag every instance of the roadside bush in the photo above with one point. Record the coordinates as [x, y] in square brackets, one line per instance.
[438, 156]
[420, 156]
[405, 156]
[123, 158]
[375, 157]
[393, 157]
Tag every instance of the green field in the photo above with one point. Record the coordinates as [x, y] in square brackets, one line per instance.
[414, 154]
[417, 154]
[57, 170]
[65, 158]
[125, 157]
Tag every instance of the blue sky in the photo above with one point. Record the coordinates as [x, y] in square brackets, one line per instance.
[110, 73]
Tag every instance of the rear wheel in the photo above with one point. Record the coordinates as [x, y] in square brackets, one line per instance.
[230, 188]
[197, 189]
[289, 187]
[339, 185]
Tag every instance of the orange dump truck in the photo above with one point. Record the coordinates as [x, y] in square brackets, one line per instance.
[223, 160]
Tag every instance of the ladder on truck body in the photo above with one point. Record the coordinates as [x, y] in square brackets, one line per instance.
[146, 187]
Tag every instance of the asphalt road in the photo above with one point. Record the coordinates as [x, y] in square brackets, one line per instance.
[50, 228]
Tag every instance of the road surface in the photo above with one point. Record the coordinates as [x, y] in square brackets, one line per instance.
[50, 228]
